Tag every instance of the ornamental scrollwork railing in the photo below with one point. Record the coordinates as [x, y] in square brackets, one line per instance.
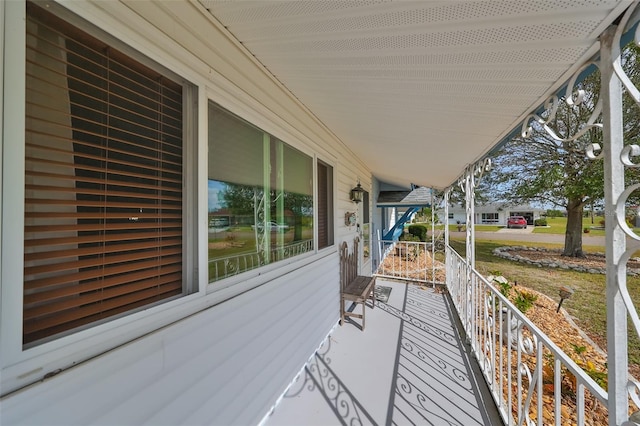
[573, 98]
[530, 378]
[627, 156]
[259, 219]
[412, 260]
[222, 267]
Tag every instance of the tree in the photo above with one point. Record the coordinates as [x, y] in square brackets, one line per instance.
[241, 200]
[558, 172]
[300, 205]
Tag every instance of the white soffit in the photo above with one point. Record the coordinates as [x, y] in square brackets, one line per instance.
[419, 89]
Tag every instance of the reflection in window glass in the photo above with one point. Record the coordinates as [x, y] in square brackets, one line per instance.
[260, 197]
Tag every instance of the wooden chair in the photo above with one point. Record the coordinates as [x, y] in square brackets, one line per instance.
[353, 287]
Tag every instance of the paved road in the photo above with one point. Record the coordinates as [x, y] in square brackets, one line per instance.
[525, 235]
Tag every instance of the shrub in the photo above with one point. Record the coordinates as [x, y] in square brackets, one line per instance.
[501, 282]
[409, 237]
[419, 231]
[524, 301]
[540, 222]
[586, 230]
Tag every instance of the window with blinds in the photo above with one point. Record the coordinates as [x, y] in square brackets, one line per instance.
[325, 205]
[103, 181]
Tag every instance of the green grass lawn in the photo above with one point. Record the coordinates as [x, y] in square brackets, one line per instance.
[558, 225]
[588, 303]
[555, 225]
[479, 228]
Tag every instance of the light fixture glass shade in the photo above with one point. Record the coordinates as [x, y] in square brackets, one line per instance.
[356, 194]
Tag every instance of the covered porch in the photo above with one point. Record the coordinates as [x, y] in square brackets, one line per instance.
[454, 353]
[411, 366]
[323, 95]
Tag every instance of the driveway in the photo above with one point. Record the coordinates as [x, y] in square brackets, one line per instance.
[517, 231]
[527, 235]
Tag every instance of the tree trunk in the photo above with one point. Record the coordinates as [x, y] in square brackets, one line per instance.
[297, 233]
[573, 234]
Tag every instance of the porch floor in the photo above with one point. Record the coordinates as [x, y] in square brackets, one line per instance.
[409, 366]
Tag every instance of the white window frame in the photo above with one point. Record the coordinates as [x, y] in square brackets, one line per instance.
[271, 124]
[332, 164]
[19, 366]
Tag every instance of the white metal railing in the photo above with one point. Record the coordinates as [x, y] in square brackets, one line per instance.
[532, 381]
[411, 260]
[222, 267]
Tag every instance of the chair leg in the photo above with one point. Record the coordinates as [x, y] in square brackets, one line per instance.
[373, 296]
[364, 308]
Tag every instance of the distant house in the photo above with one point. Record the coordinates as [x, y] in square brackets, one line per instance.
[399, 207]
[493, 214]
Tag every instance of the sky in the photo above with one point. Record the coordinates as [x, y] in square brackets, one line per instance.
[214, 189]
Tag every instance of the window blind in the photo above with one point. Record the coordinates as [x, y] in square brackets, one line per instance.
[103, 181]
[325, 205]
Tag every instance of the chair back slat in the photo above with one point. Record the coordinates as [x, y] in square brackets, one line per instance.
[348, 263]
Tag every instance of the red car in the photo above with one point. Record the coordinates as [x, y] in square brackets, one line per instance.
[517, 222]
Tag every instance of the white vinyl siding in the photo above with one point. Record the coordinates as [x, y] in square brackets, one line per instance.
[224, 365]
[214, 356]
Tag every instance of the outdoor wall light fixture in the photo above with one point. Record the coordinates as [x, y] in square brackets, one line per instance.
[356, 194]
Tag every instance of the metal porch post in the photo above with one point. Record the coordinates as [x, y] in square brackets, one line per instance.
[470, 201]
[448, 277]
[446, 217]
[615, 240]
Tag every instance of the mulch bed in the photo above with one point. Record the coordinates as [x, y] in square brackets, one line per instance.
[567, 336]
[417, 267]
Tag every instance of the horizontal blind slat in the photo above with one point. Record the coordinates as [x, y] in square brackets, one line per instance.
[100, 272]
[86, 293]
[102, 180]
[108, 204]
[98, 261]
[50, 255]
[159, 195]
[110, 215]
[99, 316]
[97, 227]
[114, 175]
[105, 306]
[111, 149]
[48, 242]
[117, 281]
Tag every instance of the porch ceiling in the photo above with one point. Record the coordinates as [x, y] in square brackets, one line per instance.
[420, 89]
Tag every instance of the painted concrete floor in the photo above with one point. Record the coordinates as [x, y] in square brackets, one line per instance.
[408, 367]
